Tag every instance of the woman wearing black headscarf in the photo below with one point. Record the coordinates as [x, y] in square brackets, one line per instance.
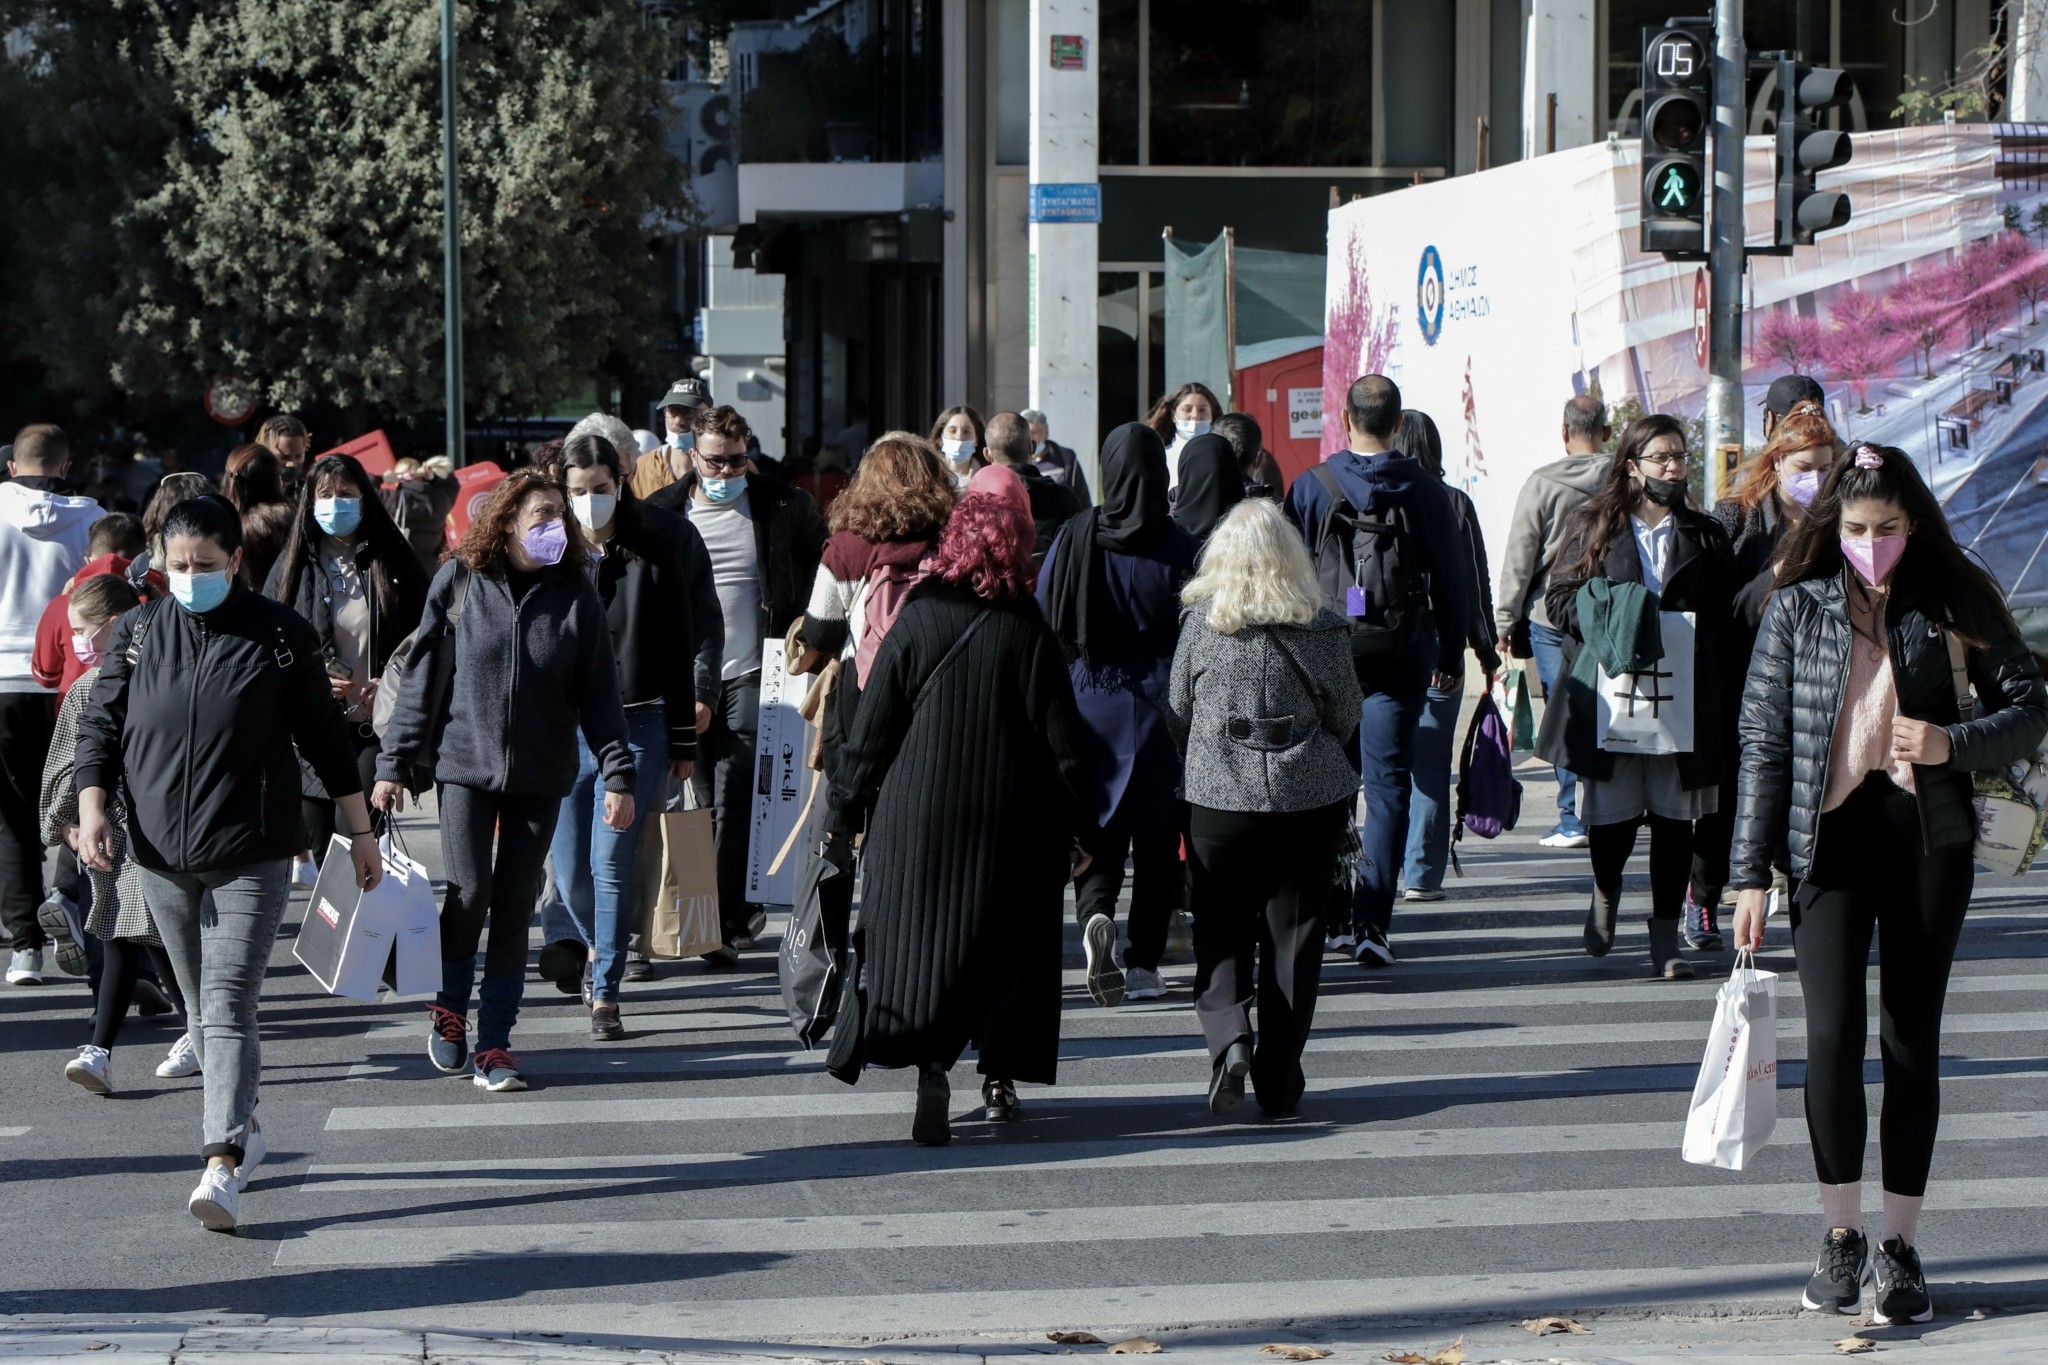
[1429, 812]
[1211, 483]
[1111, 589]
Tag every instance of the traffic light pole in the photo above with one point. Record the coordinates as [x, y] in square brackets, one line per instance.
[1725, 250]
[451, 244]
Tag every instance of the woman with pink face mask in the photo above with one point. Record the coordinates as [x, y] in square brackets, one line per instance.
[1856, 762]
[1770, 495]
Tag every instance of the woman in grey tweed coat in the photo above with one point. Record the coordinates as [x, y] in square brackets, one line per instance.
[1264, 704]
[118, 915]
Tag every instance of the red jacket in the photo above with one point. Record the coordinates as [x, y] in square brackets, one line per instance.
[54, 662]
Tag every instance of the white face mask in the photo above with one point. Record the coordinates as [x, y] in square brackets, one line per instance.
[1038, 451]
[1188, 431]
[594, 509]
[959, 452]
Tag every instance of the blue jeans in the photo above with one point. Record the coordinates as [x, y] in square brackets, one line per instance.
[594, 862]
[1386, 754]
[1548, 644]
[1429, 814]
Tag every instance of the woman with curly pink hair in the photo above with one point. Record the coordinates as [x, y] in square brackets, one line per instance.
[965, 768]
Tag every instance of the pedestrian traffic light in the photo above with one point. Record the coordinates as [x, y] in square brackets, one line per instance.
[1805, 148]
[1678, 108]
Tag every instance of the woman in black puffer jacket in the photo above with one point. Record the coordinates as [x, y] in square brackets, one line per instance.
[1856, 759]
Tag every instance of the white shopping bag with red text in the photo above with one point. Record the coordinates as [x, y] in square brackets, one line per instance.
[1735, 1100]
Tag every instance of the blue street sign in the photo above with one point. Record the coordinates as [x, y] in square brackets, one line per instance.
[1066, 203]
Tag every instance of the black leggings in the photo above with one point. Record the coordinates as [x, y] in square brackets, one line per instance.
[319, 813]
[1156, 886]
[1871, 872]
[1670, 861]
[121, 967]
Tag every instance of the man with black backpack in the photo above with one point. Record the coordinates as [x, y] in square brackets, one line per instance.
[1388, 556]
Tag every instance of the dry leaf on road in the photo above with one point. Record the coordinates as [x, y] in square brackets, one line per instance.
[1295, 1352]
[1543, 1327]
[1073, 1338]
[1854, 1346]
[1453, 1354]
[1136, 1346]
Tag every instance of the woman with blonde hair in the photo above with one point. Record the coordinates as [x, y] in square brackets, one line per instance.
[1769, 498]
[1264, 705]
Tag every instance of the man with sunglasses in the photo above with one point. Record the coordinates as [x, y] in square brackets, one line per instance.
[764, 538]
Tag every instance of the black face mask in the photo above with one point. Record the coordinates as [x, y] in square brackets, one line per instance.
[1664, 492]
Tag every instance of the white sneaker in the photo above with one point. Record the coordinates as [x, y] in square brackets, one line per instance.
[1142, 983]
[1420, 895]
[25, 968]
[253, 1152]
[1558, 839]
[213, 1202]
[182, 1061]
[92, 1069]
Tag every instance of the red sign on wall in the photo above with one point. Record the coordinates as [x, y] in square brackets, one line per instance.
[1700, 315]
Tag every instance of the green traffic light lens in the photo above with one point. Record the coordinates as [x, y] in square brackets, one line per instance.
[1673, 187]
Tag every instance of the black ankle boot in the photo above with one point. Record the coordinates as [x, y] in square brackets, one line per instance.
[932, 1126]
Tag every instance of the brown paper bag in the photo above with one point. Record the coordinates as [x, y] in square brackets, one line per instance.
[681, 919]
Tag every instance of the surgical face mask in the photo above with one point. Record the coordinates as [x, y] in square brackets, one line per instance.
[723, 490]
[1038, 451]
[338, 516]
[682, 440]
[1874, 557]
[1664, 492]
[200, 592]
[1188, 431]
[959, 452]
[594, 510]
[1803, 486]
[81, 645]
[547, 541]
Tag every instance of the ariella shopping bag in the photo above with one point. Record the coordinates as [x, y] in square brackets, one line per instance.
[355, 941]
[682, 917]
[1735, 1100]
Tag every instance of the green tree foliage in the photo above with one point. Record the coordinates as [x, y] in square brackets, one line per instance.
[290, 225]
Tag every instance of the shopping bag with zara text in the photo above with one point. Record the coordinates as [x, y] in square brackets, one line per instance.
[1735, 1100]
[682, 917]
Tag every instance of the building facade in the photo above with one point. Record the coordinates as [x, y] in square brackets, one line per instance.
[864, 166]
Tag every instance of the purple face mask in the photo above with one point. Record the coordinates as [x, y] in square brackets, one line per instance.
[1873, 557]
[547, 541]
[1803, 486]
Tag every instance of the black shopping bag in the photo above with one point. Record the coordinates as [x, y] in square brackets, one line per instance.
[812, 961]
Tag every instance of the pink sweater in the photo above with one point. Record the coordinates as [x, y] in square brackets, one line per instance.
[1863, 732]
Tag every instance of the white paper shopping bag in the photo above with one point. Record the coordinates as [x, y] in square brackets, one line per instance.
[350, 936]
[1735, 1100]
[1651, 712]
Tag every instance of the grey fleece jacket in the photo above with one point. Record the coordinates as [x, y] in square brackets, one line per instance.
[526, 675]
[1264, 718]
[1537, 533]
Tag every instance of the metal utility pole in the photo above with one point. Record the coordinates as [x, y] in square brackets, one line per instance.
[1725, 251]
[451, 240]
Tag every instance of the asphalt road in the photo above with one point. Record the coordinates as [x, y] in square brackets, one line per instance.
[1491, 1131]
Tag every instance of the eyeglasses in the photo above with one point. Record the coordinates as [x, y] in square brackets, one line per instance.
[728, 464]
[1678, 460]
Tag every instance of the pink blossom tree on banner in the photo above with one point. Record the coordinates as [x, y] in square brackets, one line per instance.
[2024, 272]
[1985, 299]
[1857, 349]
[1358, 338]
[1922, 309]
[1790, 339]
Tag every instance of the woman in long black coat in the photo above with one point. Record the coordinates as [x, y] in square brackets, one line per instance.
[966, 760]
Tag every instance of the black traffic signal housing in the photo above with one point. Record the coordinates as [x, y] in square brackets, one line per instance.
[1678, 109]
[1805, 149]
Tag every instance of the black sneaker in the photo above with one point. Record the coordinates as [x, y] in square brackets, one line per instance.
[447, 1039]
[999, 1101]
[1901, 1288]
[562, 963]
[1702, 928]
[1098, 942]
[1373, 950]
[638, 968]
[722, 958]
[1839, 1273]
[1226, 1080]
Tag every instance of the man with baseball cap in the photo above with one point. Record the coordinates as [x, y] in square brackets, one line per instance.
[657, 469]
[1787, 392]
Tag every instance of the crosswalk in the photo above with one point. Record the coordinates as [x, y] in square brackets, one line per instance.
[1491, 1129]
